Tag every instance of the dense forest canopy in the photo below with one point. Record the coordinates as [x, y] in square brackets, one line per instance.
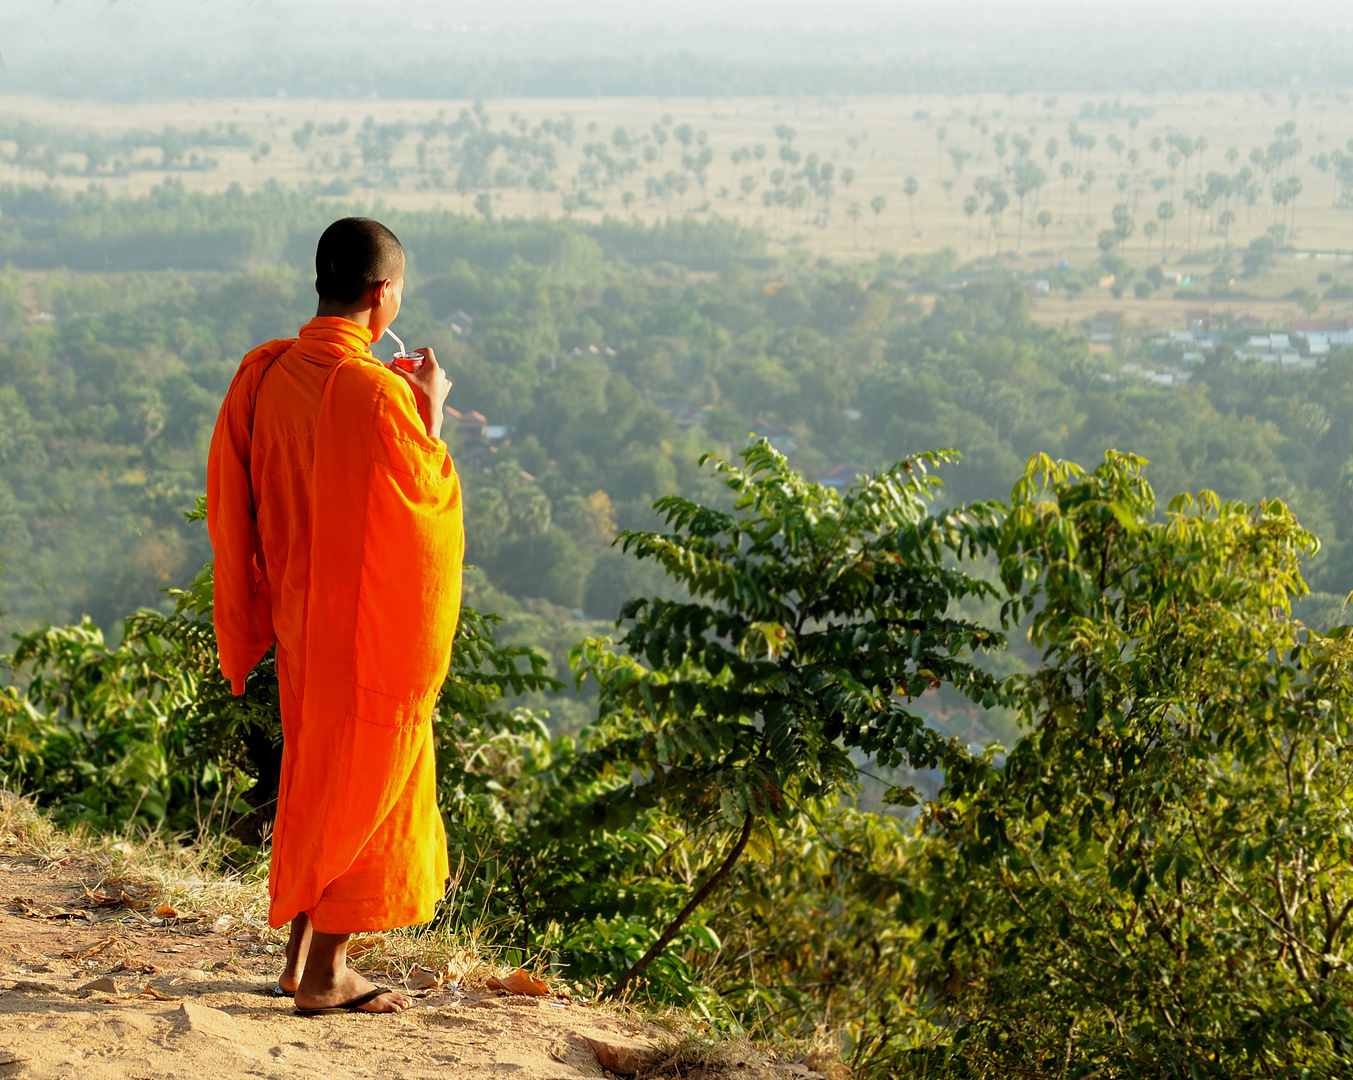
[604, 360]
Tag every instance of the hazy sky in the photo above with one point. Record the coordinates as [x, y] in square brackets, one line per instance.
[83, 20]
[79, 46]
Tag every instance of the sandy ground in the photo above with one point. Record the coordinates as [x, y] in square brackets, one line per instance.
[191, 999]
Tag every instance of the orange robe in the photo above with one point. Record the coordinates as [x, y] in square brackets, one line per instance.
[336, 525]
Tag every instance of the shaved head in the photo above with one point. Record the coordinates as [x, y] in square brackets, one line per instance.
[354, 255]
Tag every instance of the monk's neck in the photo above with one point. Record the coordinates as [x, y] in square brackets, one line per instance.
[362, 317]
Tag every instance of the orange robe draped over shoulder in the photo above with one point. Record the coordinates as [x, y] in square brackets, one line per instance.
[336, 525]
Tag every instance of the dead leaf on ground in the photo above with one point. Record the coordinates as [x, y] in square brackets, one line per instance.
[519, 982]
[34, 910]
[421, 978]
[164, 911]
[363, 945]
[151, 992]
[223, 924]
[106, 900]
[89, 950]
[181, 946]
[144, 969]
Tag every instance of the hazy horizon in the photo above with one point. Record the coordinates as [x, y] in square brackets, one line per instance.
[138, 49]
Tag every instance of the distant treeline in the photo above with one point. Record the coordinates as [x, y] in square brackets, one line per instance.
[1098, 66]
[172, 229]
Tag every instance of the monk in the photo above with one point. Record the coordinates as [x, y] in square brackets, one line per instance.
[335, 517]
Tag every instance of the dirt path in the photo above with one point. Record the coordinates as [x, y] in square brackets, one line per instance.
[190, 1000]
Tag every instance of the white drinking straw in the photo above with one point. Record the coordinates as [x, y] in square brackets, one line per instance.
[397, 341]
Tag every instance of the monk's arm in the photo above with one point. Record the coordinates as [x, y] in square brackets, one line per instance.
[430, 387]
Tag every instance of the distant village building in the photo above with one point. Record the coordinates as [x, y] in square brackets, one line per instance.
[840, 477]
[474, 426]
[1323, 334]
[1104, 326]
[778, 435]
[685, 414]
[458, 322]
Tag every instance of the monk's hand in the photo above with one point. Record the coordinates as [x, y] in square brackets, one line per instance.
[430, 388]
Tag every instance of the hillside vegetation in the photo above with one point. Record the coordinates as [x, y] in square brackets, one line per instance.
[1105, 827]
[615, 354]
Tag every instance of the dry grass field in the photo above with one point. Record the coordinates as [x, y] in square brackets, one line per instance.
[614, 162]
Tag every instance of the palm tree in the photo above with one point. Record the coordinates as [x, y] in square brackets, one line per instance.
[910, 187]
[970, 205]
[1165, 211]
[1200, 145]
[1066, 169]
[853, 211]
[1149, 230]
[1172, 159]
[1088, 179]
[1044, 220]
[999, 201]
[877, 204]
[1028, 177]
[1226, 219]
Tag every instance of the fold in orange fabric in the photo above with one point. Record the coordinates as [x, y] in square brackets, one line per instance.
[336, 525]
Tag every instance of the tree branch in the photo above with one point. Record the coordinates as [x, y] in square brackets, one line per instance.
[665, 938]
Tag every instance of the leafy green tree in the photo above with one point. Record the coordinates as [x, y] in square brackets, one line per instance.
[1156, 881]
[815, 619]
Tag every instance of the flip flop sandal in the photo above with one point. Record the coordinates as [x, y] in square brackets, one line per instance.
[355, 1005]
[277, 991]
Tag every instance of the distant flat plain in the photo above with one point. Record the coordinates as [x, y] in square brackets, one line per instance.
[883, 140]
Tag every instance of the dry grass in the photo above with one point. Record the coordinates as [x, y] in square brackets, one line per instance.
[697, 1051]
[160, 869]
[145, 864]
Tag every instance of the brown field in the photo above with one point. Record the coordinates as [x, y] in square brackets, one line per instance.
[884, 140]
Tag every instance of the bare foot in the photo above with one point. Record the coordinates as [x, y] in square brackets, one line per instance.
[298, 945]
[346, 987]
